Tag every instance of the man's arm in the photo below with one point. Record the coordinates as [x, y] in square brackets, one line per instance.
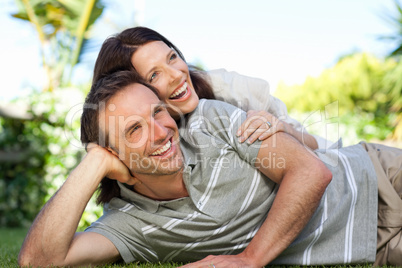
[303, 180]
[52, 239]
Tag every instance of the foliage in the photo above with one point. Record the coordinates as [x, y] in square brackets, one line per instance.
[393, 82]
[22, 188]
[396, 22]
[394, 78]
[63, 27]
[41, 152]
[364, 87]
[49, 147]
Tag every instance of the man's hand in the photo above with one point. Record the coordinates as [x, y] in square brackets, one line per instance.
[115, 168]
[52, 239]
[223, 261]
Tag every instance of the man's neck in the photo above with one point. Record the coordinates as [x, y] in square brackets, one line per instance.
[161, 188]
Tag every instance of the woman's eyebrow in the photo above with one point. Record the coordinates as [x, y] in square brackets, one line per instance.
[155, 67]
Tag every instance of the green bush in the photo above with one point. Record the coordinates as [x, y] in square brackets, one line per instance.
[22, 186]
[47, 148]
[363, 86]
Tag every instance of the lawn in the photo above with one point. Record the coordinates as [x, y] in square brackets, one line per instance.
[10, 243]
[11, 240]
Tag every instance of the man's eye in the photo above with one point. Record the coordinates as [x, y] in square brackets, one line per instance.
[152, 77]
[134, 129]
[158, 111]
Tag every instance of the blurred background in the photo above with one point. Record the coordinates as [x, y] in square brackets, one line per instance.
[336, 65]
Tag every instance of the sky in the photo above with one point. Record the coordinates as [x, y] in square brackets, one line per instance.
[285, 40]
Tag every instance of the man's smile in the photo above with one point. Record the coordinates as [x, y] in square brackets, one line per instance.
[163, 150]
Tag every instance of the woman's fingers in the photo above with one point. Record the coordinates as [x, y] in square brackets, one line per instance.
[258, 125]
[261, 130]
[250, 118]
[252, 129]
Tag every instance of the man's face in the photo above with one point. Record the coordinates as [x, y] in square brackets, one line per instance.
[142, 132]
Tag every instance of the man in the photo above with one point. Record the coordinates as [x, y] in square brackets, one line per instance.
[206, 199]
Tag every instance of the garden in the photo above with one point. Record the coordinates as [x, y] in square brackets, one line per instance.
[359, 98]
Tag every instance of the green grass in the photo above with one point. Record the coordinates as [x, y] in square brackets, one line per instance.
[10, 244]
[11, 241]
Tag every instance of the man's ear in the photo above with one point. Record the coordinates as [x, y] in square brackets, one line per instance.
[90, 145]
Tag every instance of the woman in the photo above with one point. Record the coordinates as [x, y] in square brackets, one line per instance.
[163, 66]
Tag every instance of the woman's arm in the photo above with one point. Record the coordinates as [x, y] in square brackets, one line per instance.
[249, 93]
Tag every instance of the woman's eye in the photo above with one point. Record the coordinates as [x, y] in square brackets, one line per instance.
[173, 56]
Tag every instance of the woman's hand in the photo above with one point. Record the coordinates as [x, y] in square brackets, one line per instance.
[261, 125]
[116, 169]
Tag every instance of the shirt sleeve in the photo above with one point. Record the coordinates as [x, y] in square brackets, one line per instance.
[220, 122]
[122, 230]
[249, 93]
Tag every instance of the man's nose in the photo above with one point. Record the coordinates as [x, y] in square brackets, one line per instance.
[159, 132]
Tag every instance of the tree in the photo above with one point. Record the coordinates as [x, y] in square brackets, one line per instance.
[395, 21]
[37, 148]
[364, 86]
[393, 80]
[63, 28]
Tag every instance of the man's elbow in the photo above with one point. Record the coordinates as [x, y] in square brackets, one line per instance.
[26, 259]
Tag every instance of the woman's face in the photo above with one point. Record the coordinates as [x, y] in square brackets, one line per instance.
[163, 68]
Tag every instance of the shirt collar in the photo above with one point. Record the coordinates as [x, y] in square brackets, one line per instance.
[140, 201]
[146, 203]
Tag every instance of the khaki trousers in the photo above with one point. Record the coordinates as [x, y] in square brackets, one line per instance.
[387, 163]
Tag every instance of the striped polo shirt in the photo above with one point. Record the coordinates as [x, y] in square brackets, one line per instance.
[229, 200]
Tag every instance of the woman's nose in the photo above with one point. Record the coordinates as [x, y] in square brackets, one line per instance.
[175, 74]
